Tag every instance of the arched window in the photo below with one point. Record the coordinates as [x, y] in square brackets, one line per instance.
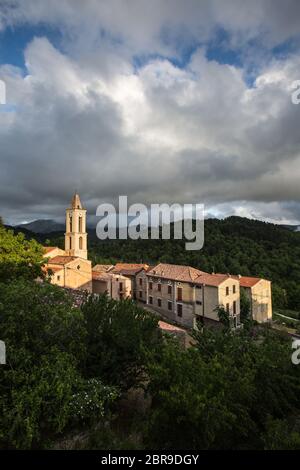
[80, 243]
[80, 224]
[70, 223]
[70, 242]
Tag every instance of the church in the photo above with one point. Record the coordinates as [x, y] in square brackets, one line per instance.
[70, 267]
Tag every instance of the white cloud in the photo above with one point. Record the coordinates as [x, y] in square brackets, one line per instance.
[87, 118]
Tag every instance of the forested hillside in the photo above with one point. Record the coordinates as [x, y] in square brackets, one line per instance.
[236, 245]
[103, 375]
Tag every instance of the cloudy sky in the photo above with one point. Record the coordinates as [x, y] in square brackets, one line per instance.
[161, 100]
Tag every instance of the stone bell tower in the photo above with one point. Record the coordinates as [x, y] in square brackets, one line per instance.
[76, 236]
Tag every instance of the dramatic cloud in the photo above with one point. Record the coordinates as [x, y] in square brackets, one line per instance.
[86, 116]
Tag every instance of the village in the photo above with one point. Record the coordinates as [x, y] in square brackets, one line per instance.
[180, 294]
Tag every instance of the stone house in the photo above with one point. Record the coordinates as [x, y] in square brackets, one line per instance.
[185, 295]
[131, 271]
[116, 286]
[259, 292]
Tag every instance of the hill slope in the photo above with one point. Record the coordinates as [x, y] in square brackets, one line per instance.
[236, 245]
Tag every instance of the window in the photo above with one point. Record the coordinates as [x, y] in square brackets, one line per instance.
[198, 302]
[234, 289]
[227, 290]
[70, 223]
[70, 242]
[179, 293]
[159, 287]
[78, 266]
[170, 290]
[141, 281]
[179, 310]
[80, 243]
[169, 305]
[58, 278]
[227, 308]
[150, 285]
[150, 300]
[80, 224]
[159, 302]
[121, 285]
[141, 294]
[234, 308]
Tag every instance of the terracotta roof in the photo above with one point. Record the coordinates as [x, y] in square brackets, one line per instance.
[128, 272]
[100, 276]
[61, 259]
[167, 326]
[48, 249]
[212, 279]
[175, 272]
[102, 267]
[129, 268]
[131, 265]
[246, 281]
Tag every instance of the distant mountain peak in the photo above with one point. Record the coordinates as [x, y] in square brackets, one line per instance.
[43, 226]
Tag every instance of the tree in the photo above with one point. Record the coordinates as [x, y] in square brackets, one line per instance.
[279, 297]
[244, 306]
[19, 257]
[197, 404]
[42, 388]
[210, 396]
[281, 435]
[223, 316]
[120, 336]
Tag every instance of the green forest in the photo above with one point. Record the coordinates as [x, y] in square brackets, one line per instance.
[104, 376]
[235, 245]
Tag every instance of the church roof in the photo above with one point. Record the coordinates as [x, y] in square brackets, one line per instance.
[48, 249]
[62, 259]
[76, 203]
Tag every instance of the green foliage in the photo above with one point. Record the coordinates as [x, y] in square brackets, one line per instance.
[120, 336]
[221, 394]
[91, 399]
[279, 296]
[42, 384]
[67, 367]
[18, 256]
[281, 435]
[244, 307]
[223, 317]
[38, 316]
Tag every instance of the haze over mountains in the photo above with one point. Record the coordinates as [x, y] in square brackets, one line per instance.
[43, 226]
